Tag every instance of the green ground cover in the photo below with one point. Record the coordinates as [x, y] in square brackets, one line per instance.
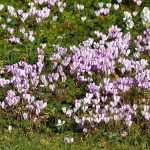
[44, 135]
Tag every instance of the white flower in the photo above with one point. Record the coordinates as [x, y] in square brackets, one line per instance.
[116, 6]
[9, 20]
[124, 134]
[69, 140]
[145, 15]
[130, 24]
[80, 7]
[52, 87]
[64, 109]
[25, 116]
[10, 30]
[138, 2]
[127, 15]
[55, 18]
[1, 7]
[119, 1]
[61, 9]
[135, 13]
[12, 11]
[83, 18]
[69, 112]
[97, 13]
[101, 4]
[31, 38]
[3, 26]
[19, 11]
[22, 30]
[85, 130]
[2, 104]
[108, 5]
[60, 122]
[129, 123]
[136, 54]
[9, 128]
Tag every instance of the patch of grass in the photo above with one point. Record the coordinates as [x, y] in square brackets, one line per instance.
[27, 136]
[100, 139]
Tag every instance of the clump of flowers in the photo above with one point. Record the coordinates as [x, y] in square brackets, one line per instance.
[128, 20]
[105, 8]
[37, 11]
[25, 79]
[105, 65]
[143, 42]
[109, 58]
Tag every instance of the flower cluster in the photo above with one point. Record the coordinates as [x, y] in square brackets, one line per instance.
[25, 79]
[105, 101]
[104, 8]
[128, 20]
[34, 12]
[11, 99]
[143, 42]
[40, 14]
[105, 65]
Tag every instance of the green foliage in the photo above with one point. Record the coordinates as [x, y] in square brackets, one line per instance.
[43, 134]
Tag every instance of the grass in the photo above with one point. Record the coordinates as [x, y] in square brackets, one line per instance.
[26, 136]
[98, 140]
